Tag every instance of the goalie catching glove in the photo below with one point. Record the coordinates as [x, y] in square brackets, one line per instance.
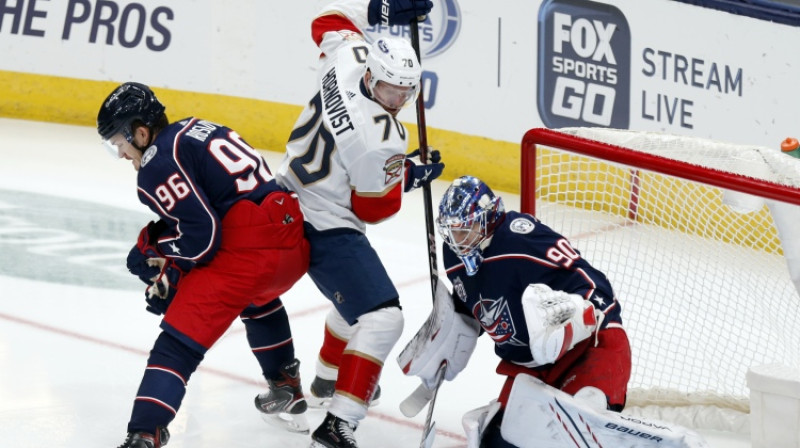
[445, 336]
[557, 321]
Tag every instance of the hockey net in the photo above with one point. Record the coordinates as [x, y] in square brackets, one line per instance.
[692, 235]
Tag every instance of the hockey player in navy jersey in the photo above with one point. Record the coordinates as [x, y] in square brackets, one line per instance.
[550, 314]
[228, 242]
[556, 326]
[346, 159]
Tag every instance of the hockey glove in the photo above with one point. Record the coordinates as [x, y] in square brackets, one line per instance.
[397, 12]
[419, 175]
[557, 321]
[146, 248]
[163, 287]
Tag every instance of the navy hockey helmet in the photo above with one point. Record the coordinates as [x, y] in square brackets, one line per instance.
[468, 215]
[129, 102]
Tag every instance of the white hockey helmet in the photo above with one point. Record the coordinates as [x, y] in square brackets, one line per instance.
[394, 62]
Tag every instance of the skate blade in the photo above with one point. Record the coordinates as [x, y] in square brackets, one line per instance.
[297, 423]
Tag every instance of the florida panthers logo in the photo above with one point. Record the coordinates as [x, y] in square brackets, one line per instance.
[495, 318]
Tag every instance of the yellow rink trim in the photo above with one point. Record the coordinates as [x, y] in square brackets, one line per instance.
[264, 124]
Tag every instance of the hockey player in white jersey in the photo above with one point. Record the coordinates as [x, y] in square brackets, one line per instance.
[346, 159]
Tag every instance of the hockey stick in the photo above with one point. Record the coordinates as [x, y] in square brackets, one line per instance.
[429, 431]
[413, 404]
[423, 157]
[421, 396]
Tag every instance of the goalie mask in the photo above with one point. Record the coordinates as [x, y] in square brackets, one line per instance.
[394, 72]
[468, 215]
[128, 103]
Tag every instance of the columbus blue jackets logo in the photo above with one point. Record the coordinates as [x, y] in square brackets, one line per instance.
[148, 155]
[436, 34]
[584, 65]
[494, 316]
[522, 225]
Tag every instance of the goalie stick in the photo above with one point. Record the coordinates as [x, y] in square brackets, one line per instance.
[417, 400]
[429, 431]
[414, 403]
[423, 157]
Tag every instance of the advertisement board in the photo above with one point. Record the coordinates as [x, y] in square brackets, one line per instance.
[492, 69]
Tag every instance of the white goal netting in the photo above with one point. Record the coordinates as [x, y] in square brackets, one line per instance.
[699, 269]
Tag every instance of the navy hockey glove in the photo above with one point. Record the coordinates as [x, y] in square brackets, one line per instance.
[419, 175]
[397, 12]
[146, 249]
[163, 287]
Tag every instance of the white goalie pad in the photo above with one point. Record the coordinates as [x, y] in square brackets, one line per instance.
[556, 321]
[476, 421]
[445, 336]
[540, 416]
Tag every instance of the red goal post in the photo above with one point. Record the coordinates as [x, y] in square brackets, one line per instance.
[694, 236]
[643, 160]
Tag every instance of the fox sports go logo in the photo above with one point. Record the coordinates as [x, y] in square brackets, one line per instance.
[436, 34]
[584, 65]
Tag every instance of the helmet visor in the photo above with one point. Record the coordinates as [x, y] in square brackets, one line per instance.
[114, 145]
[391, 96]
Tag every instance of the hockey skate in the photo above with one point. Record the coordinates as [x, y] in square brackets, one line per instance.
[284, 404]
[334, 432]
[322, 391]
[145, 440]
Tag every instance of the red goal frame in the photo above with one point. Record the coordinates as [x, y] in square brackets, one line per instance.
[613, 153]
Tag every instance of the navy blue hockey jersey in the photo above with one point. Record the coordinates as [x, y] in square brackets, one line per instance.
[190, 176]
[523, 251]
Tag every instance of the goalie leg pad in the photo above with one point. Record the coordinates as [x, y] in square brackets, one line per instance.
[540, 416]
[476, 421]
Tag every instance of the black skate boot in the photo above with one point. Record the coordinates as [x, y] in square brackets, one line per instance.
[322, 392]
[144, 440]
[284, 403]
[334, 433]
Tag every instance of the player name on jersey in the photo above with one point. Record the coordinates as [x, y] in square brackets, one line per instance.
[334, 105]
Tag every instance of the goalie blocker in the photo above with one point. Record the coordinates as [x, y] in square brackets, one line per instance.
[445, 336]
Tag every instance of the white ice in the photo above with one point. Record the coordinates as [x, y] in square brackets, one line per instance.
[72, 351]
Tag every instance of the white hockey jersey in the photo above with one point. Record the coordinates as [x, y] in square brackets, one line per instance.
[343, 141]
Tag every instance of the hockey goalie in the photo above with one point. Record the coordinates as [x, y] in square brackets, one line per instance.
[555, 323]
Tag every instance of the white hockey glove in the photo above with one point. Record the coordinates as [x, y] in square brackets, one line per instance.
[445, 336]
[557, 321]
